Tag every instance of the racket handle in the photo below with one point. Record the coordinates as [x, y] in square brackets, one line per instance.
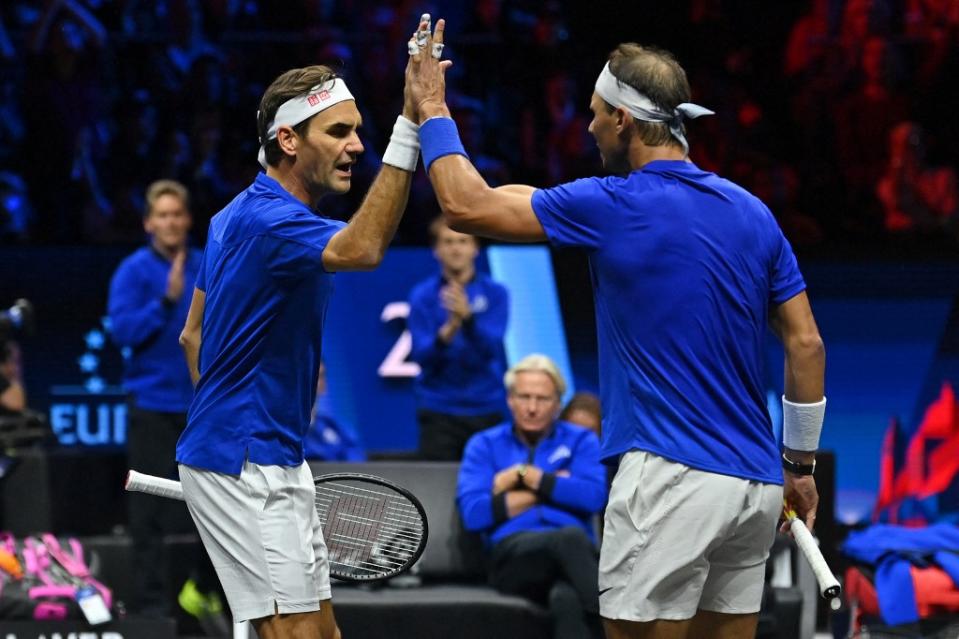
[151, 485]
[828, 584]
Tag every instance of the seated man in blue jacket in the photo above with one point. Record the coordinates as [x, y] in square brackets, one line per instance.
[532, 486]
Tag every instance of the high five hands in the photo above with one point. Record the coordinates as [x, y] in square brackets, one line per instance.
[425, 90]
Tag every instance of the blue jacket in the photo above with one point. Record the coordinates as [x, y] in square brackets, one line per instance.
[891, 550]
[155, 372]
[564, 501]
[464, 377]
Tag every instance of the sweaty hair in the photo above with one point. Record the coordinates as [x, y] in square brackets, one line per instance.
[291, 84]
[656, 74]
[538, 363]
[165, 187]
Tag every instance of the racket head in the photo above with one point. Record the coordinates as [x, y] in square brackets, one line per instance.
[374, 529]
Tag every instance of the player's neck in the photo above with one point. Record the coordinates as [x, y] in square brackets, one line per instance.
[640, 155]
[293, 183]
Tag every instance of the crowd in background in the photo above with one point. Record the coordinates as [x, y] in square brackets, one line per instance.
[836, 112]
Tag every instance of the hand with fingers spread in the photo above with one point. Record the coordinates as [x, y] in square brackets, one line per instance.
[426, 73]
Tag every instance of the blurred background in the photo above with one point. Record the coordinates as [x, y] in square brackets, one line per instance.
[839, 114]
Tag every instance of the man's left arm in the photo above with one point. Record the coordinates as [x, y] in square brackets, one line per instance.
[192, 334]
[581, 487]
[485, 331]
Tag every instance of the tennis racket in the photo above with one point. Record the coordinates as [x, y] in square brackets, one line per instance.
[373, 528]
[829, 586]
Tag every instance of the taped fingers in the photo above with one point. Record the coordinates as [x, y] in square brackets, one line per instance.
[437, 51]
[423, 34]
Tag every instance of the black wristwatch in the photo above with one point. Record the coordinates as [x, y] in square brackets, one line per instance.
[798, 469]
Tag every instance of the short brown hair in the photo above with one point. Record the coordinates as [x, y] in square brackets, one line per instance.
[584, 401]
[656, 74]
[165, 187]
[438, 224]
[289, 85]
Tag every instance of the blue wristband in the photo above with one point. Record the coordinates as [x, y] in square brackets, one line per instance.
[438, 138]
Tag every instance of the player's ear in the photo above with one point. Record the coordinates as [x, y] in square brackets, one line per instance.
[623, 119]
[286, 139]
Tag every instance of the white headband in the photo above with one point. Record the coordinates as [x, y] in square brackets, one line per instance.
[303, 107]
[620, 94]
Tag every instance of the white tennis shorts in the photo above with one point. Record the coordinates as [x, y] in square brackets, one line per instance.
[677, 540]
[263, 536]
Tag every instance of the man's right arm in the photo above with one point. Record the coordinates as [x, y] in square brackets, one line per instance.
[134, 319]
[192, 334]
[804, 381]
[13, 396]
[361, 244]
[424, 350]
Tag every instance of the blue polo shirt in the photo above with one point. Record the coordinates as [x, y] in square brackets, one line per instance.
[685, 266]
[266, 299]
[154, 371]
[464, 377]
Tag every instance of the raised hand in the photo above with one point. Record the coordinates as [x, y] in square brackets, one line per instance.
[454, 299]
[174, 280]
[426, 73]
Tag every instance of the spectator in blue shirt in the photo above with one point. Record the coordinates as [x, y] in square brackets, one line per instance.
[147, 309]
[532, 486]
[457, 321]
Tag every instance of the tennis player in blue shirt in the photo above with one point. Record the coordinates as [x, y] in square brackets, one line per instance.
[253, 337]
[687, 269]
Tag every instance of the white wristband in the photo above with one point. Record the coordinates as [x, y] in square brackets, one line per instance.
[403, 151]
[802, 424]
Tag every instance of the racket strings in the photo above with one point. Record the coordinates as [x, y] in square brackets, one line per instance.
[369, 533]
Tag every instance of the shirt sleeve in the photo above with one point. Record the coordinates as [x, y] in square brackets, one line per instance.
[135, 317]
[425, 348]
[786, 281]
[584, 490]
[200, 282]
[485, 331]
[474, 489]
[297, 243]
[568, 213]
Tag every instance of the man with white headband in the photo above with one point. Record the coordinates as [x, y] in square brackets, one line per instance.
[687, 267]
[253, 337]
